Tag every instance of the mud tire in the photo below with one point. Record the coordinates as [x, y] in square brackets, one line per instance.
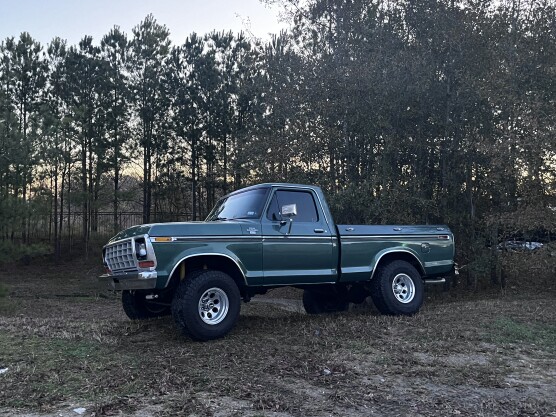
[186, 305]
[387, 295]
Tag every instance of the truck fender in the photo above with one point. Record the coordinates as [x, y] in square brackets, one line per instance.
[405, 252]
[185, 256]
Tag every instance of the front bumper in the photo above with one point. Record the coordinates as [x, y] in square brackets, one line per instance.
[129, 280]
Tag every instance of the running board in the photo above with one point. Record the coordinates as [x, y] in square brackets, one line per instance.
[435, 281]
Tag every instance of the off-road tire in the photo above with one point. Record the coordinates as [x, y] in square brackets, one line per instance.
[187, 310]
[319, 302]
[177, 304]
[136, 307]
[384, 295]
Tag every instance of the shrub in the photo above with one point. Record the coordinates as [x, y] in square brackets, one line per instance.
[530, 268]
[14, 252]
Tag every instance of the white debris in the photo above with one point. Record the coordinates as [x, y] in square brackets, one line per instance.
[79, 410]
[326, 371]
[3, 370]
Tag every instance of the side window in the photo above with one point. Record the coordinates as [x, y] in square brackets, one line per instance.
[306, 208]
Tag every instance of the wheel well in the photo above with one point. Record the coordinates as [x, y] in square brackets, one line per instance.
[400, 256]
[212, 262]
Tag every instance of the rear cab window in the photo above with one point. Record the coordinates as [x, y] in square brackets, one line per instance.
[306, 207]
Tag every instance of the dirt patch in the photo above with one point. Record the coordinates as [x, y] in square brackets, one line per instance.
[66, 344]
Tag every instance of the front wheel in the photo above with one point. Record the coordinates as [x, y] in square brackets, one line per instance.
[397, 289]
[206, 305]
[137, 307]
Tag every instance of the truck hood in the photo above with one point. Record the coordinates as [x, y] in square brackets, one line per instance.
[132, 231]
[215, 228]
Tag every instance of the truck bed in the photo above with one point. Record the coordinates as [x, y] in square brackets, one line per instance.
[431, 245]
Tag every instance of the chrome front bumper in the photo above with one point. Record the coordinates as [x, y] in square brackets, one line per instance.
[129, 280]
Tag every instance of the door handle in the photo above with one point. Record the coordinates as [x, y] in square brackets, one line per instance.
[319, 230]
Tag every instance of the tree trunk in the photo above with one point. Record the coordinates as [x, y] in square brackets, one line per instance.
[116, 182]
[56, 236]
[194, 176]
[84, 190]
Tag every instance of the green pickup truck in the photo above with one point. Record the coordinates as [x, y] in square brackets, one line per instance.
[263, 237]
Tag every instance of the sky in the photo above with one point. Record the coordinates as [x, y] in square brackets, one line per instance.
[72, 19]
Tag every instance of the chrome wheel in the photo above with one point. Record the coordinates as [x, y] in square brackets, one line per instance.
[213, 306]
[403, 288]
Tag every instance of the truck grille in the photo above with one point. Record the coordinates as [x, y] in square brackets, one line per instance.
[120, 256]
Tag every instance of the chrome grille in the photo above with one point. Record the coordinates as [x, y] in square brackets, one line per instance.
[120, 256]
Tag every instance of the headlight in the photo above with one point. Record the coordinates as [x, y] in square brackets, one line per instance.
[140, 249]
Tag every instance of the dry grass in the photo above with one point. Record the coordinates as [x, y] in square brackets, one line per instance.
[66, 344]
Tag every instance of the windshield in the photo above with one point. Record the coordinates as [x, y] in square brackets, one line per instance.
[246, 205]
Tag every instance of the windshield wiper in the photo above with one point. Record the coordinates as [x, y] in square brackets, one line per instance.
[220, 218]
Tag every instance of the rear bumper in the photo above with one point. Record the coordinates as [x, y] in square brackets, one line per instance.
[441, 279]
[129, 281]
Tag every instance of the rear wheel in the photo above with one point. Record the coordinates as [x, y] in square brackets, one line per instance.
[397, 289]
[206, 305]
[137, 307]
[319, 302]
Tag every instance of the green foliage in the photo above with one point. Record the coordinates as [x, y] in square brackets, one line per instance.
[427, 111]
[482, 265]
[507, 330]
[532, 269]
[14, 252]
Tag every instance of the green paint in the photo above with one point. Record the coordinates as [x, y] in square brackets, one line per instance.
[268, 253]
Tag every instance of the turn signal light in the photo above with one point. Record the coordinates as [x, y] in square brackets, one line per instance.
[162, 239]
[146, 264]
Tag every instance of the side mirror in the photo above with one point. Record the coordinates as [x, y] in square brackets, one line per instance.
[289, 211]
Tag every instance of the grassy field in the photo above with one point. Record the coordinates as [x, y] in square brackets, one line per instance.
[66, 344]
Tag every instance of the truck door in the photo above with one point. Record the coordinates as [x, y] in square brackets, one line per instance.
[304, 255]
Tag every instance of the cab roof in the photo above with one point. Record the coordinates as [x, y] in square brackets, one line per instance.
[274, 184]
